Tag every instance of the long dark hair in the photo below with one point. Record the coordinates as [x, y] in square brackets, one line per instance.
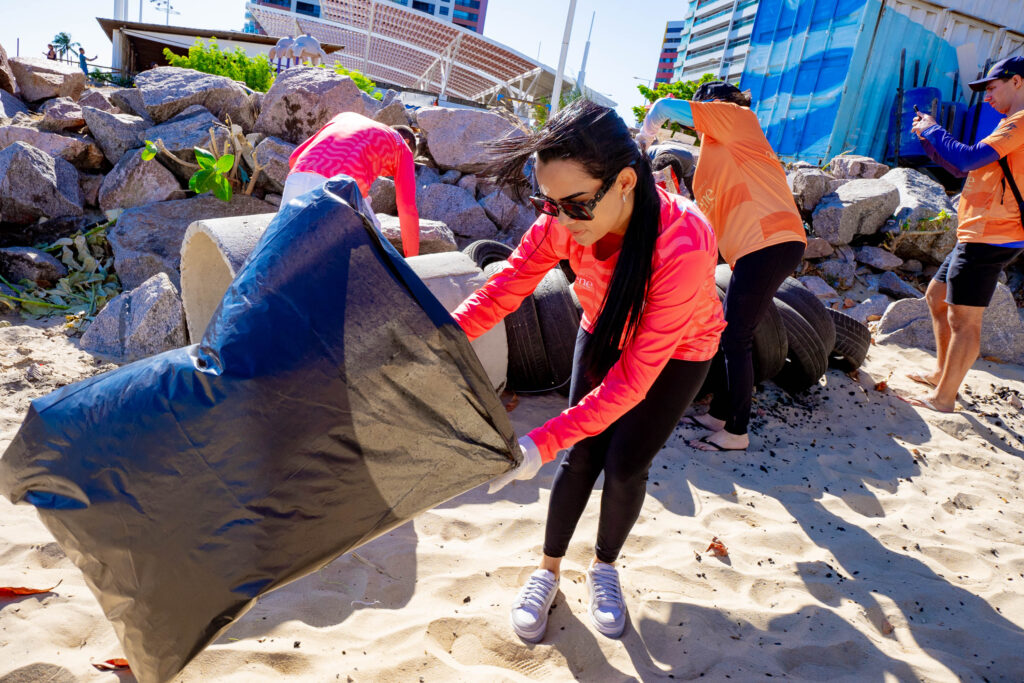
[597, 139]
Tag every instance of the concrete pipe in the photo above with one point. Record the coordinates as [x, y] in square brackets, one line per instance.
[214, 250]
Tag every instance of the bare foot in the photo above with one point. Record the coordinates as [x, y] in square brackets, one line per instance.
[929, 402]
[722, 441]
[929, 379]
[705, 421]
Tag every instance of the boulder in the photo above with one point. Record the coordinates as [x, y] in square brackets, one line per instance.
[34, 185]
[26, 263]
[455, 207]
[819, 287]
[61, 113]
[134, 182]
[147, 239]
[182, 133]
[912, 266]
[272, 154]
[90, 184]
[468, 183]
[855, 166]
[98, 99]
[908, 323]
[926, 219]
[371, 105]
[426, 175]
[8, 83]
[808, 186]
[454, 136]
[393, 114]
[41, 79]
[77, 150]
[139, 323]
[115, 133]
[870, 309]
[303, 99]
[890, 283]
[129, 101]
[507, 214]
[876, 257]
[167, 91]
[382, 196]
[435, 237]
[839, 273]
[450, 177]
[817, 248]
[860, 207]
[10, 106]
[389, 97]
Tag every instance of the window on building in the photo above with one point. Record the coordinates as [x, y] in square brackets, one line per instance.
[308, 9]
[739, 41]
[276, 3]
[465, 16]
[444, 11]
[423, 6]
[471, 4]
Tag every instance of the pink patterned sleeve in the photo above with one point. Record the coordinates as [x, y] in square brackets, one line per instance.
[405, 197]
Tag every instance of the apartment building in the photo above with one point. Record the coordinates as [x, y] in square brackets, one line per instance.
[466, 13]
[713, 38]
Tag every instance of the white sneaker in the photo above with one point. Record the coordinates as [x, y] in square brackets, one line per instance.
[607, 608]
[530, 609]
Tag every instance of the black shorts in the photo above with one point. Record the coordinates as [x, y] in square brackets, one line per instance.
[971, 272]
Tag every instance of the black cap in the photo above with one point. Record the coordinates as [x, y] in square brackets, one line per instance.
[714, 90]
[1004, 68]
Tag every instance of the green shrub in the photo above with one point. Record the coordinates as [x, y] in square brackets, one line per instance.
[363, 81]
[255, 72]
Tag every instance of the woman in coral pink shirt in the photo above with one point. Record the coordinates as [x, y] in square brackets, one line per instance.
[644, 263]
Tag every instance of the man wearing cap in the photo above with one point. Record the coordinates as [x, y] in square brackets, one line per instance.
[740, 185]
[989, 235]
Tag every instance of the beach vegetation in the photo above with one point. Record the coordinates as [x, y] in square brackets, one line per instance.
[256, 72]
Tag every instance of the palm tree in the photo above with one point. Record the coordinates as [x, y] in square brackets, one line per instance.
[63, 44]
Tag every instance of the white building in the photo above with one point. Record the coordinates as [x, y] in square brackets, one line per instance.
[714, 39]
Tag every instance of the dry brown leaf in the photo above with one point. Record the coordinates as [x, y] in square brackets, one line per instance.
[882, 386]
[873, 317]
[887, 628]
[717, 548]
[849, 303]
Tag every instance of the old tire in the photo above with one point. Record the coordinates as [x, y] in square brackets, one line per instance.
[486, 252]
[770, 341]
[810, 307]
[528, 368]
[559, 325]
[806, 358]
[853, 339]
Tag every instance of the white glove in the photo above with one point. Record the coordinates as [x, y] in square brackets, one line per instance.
[527, 468]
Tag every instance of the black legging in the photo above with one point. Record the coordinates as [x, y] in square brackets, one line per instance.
[755, 279]
[624, 452]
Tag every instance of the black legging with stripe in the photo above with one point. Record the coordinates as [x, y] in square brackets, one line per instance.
[624, 452]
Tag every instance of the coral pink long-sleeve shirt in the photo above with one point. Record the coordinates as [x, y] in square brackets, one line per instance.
[365, 149]
[682, 316]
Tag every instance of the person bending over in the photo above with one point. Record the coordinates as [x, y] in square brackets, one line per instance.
[741, 187]
[363, 149]
[989, 234]
[644, 263]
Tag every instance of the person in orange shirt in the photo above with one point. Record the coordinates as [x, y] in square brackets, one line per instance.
[741, 187]
[989, 234]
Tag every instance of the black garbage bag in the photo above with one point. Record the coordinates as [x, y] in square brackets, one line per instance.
[331, 399]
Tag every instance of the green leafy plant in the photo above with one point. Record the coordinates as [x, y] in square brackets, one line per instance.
[681, 90]
[362, 81]
[542, 105]
[112, 78]
[212, 174]
[936, 225]
[256, 72]
[215, 170]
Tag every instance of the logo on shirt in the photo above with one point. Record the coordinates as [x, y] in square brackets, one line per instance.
[706, 201]
[583, 282]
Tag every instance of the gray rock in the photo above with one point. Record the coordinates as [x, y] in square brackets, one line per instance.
[844, 252]
[305, 98]
[167, 91]
[874, 305]
[90, 184]
[61, 113]
[10, 106]
[796, 165]
[451, 177]
[371, 105]
[98, 99]
[34, 185]
[860, 207]
[817, 248]
[382, 196]
[389, 97]
[26, 263]
[393, 114]
[808, 186]
[79, 151]
[454, 136]
[912, 266]
[272, 198]
[435, 236]
[507, 214]
[272, 155]
[139, 323]
[879, 258]
[147, 239]
[922, 200]
[182, 133]
[456, 208]
[41, 79]
[115, 133]
[129, 101]
[855, 166]
[49, 231]
[819, 287]
[426, 175]
[134, 182]
[468, 183]
[8, 83]
[840, 274]
[890, 283]
[908, 323]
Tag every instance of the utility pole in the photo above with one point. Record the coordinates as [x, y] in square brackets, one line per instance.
[556, 92]
[582, 77]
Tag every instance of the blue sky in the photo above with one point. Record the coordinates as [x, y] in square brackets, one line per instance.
[624, 44]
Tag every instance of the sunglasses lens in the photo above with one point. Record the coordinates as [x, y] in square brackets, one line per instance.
[544, 206]
[577, 212]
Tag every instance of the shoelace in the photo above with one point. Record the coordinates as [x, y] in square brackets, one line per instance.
[606, 586]
[535, 591]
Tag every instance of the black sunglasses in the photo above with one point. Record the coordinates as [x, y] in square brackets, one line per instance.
[578, 211]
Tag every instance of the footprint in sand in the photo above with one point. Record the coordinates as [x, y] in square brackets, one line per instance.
[476, 642]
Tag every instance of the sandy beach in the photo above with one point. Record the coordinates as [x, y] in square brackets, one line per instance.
[868, 540]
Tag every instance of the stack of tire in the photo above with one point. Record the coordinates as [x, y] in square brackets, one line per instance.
[541, 333]
[800, 338]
